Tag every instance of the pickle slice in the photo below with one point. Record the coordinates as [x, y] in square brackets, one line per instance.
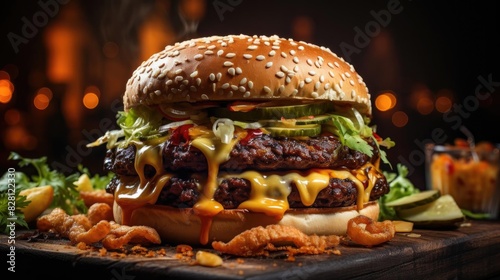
[414, 200]
[442, 212]
[298, 130]
[272, 112]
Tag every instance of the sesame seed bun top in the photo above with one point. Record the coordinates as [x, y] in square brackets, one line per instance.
[241, 67]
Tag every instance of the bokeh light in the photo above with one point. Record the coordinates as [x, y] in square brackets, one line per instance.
[6, 90]
[12, 117]
[385, 101]
[444, 101]
[399, 119]
[41, 101]
[90, 100]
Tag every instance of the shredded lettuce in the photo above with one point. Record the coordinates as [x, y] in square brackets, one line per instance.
[139, 122]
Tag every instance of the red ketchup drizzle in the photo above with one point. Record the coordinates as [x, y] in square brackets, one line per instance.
[181, 134]
[251, 133]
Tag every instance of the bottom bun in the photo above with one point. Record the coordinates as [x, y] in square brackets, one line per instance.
[183, 226]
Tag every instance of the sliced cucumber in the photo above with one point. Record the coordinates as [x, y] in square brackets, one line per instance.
[442, 212]
[414, 200]
[299, 130]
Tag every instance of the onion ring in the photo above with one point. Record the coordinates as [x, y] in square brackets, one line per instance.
[364, 231]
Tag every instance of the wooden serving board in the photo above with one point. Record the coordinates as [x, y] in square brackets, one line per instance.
[469, 252]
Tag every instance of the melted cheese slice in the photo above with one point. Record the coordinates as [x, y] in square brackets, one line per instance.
[269, 191]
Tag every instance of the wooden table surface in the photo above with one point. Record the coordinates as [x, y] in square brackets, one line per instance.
[469, 252]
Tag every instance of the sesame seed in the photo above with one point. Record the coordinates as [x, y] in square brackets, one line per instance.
[342, 76]
[194, 74]
[320, 58]
[295, 91]
[156, 72]
[204, 96]
[269, 64]
[275, 47]
[185, 82]
[228, 63]
[322, 78]
[280, 74]
[231, 71]
[309, 62]
[161, 65]
[247, 94]
[296, 68]
[234, 87]
[314, 94]
[330, 64]
[219, 76]
[301, 48]
[176, 53]
[283, 68]
[242, 89]
[157, 92]
[296, 59]
[252, 47]
[250, 84]
[247, 56]
[224, 44]
[327, 86]
[336, 64]
[243, 81]
[178, 79]
[316, 85]
[211, 77]
[225, 86]
[281, 89]
[178, 71]
[193, 88]
[301, 84]
[288, 79]
[312, 73]
[238, 70]
[230, 55]
[214, 87]
[272, 53]
[351, 82]
[292, 52]
[230, 93]
[198, 56]
[202, 47]
[283, 55]
[211, 47]
[220, 52]
[267, 90]
[341, 84]
[198, 81]
[353, 94]
[337, 87]
[317, 64]
[260, 57]
[308, 80]
[208, 52]
[168, 82]
[331, 74]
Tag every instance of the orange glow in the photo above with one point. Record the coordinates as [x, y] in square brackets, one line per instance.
[110, 50]
[41, 101]
[385, 101]
[425, 106]
[12, 117]
[443, 104]
[4, 75]
[46, 91]
[17, 137]
[90, 100]
[444, 100]
[6, 90]
[399, 119]
[93, 89]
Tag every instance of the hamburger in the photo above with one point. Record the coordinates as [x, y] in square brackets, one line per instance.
[225, 133]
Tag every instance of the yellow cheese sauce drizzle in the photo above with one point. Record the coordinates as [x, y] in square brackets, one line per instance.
[135, 192]
[206, 207]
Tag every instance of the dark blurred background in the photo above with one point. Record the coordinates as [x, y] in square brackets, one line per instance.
[431, 67]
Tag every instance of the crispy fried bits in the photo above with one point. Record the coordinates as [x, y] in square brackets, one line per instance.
[96, 226]
[259, 241]
[365, 231]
